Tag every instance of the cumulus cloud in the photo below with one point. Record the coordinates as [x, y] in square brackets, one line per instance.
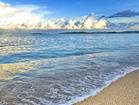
[20, 16]
[85, 22]
[34, 17]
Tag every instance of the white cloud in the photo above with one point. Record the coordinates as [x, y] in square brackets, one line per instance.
[135, 27]
[20, 16]
[124, 23]
[34, 17]
[85, 22]
[125, 19]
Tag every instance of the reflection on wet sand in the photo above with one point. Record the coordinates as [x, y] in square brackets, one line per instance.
[7, 71]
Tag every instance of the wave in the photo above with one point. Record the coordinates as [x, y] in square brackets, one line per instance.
[94, 92]
[24, 56]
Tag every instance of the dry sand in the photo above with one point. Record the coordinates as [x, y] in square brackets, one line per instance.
[124, 91]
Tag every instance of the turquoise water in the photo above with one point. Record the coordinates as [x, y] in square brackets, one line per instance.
[56, 69]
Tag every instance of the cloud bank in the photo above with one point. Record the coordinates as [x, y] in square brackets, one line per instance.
[127, 19]
[35, 17]
[85, 22]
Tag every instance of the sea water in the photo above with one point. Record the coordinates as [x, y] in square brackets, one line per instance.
[59, 69]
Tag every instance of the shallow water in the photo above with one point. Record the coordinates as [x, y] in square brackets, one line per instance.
[55, 69]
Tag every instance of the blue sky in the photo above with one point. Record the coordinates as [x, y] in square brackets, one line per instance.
[76, 8]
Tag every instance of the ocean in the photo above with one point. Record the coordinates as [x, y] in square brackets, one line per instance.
[54, 68]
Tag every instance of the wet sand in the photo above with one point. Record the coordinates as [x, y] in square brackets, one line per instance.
[8, 71]
[124, 91]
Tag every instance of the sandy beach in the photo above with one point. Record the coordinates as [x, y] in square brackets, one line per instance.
[124, 91]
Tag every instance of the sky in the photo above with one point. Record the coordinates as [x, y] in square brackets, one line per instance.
[69, 14]
[75, 8]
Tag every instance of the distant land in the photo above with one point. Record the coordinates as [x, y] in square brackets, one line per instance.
[110, 32]
[57, 31]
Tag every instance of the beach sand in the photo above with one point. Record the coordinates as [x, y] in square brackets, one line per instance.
[124, 91]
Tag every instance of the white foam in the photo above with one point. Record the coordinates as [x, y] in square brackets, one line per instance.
[96, 91]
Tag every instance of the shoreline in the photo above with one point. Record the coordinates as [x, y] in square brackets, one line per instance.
[118, 92]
